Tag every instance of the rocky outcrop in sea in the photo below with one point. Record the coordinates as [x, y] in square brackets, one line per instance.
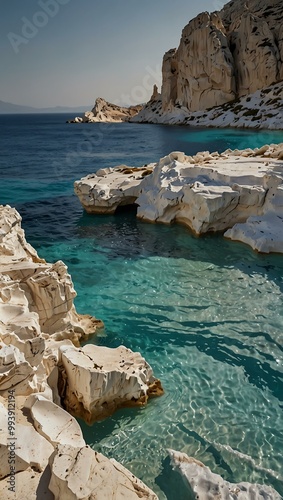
[104, 111]
[238, 193]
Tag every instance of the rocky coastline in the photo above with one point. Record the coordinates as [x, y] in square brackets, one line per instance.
[46, 377]
[260, 110]
[237, 193]
[226, 72]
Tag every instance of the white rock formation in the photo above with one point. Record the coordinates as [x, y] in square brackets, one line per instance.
[81, 473]
[261, 110]
[204, 484]
[200, 73]
[99, 380]
[234, 51]
[38, 322]
[104, 111]
[210, 192]
[13, 245]
[54, 423]
[31, 449]
[221, 57]
[30, 485]
[109, 188]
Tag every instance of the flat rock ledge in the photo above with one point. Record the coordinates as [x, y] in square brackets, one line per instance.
[203, 484]
[43, 372]
[238, 193]
[110, 188]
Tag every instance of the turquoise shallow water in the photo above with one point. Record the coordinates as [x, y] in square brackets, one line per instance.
[208, 316]
[206, 313]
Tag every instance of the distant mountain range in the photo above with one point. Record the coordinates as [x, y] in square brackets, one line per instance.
[7, 108]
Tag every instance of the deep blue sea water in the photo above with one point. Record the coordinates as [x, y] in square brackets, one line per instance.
[206, 313]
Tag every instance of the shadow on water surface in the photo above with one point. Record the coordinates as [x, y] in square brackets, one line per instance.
[126, 237]
[123, 236]
[172, 484]
[169, 481]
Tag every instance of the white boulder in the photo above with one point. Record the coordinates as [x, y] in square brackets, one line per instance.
[99, 380]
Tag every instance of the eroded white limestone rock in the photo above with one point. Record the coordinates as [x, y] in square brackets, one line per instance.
[213, 192]
[26, 448]
[13, 245]
[104, 111]
[204, 484]
[30, 485]
[54, 423]
[79, 473]
[109, 188]
[35, 297]
[99, 380]
[15, 371]
[37, 321]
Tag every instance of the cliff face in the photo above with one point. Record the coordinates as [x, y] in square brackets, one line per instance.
[225, 55]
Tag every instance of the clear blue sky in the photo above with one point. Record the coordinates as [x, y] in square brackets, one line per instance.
[83, 49]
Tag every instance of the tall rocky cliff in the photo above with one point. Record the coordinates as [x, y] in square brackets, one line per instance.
[225, 55]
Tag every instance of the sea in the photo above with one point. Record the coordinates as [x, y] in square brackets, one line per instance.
[206, 313]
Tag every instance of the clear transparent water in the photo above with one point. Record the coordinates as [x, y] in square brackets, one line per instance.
[208, 316]
[206, 313]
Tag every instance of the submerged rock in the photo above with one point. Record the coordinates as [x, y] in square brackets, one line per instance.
[204, 484]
